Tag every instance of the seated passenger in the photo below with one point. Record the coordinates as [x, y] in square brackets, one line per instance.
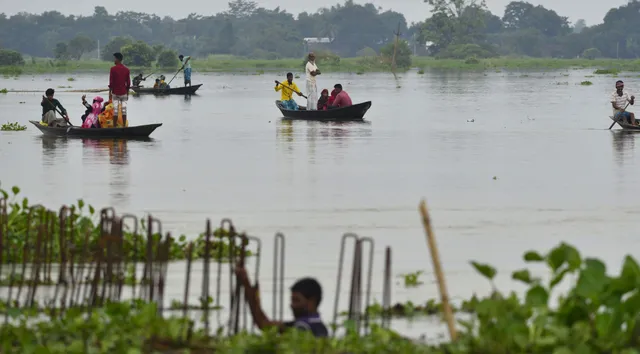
[323, 102]
[90, 118]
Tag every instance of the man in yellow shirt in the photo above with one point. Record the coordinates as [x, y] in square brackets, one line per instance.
[288, 89]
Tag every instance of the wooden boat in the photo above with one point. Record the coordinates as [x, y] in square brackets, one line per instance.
[353, 113]
[624, 125]
[137, 132]
[188, 90]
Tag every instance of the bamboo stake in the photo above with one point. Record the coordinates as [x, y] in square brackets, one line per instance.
[395, 48]
[437, 267]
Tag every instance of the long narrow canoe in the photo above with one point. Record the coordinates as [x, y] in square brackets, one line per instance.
[353, 113]
[624, 125]
[187, 90]
[140, 131]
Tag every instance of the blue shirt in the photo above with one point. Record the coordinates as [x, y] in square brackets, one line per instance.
[311, 323]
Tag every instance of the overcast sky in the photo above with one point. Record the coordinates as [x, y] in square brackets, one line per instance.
[592, 11]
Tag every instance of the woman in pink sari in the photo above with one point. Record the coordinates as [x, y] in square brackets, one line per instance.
[91, 119]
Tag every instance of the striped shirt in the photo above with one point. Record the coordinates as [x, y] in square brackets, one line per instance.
[620, 101]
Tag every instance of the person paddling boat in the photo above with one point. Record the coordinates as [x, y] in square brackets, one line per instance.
[288, 88]
[619, 99]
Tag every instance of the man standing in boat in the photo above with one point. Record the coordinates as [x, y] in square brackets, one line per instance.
[619, 100]
[312, 71]
[119, 85]
[186, 67]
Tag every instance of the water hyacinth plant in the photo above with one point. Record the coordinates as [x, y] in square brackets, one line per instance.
[22, 217]
[13, 127]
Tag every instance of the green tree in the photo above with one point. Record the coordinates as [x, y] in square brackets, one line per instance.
[402, 52]
[10, 58]
[158, 49]
[168, 59]
[454, 22]
[591, 53]
[115, 45]
[61, 52]
[138, 54]
[80, 45]
[579, 26]
[242, 8]
[226, 38]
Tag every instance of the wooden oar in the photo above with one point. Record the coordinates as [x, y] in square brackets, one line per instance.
[174, 76]
[299, 93]
[614, 116]
[57, 110]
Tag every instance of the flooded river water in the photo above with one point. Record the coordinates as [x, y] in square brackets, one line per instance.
[507, 161]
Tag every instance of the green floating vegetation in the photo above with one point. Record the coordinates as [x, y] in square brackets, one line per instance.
[586, 83]
[84, 222]
[598, 314]
[71, 79]
[607, 72]
[12, 127]
[4, 90]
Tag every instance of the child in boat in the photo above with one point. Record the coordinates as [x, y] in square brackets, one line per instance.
[90, 118]
[157, 84]
[323, 102]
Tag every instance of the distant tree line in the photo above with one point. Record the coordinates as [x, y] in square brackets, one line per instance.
[455, 29]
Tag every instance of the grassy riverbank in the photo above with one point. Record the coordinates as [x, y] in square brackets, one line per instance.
[221, 63]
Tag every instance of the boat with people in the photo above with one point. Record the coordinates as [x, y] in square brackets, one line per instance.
[136, 132]
[353, 113]
[186, 90]
[624, 125]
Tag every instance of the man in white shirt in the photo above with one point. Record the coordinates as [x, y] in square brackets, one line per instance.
[619, 99]
[312, 90]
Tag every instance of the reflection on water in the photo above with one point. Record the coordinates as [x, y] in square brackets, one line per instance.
[115, 148]
[52, 147]
[623, 144]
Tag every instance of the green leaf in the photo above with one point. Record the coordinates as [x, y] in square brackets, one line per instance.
[564, 254]
[91, 210]
[25, 203]
[563, 350]
[15, 190]
[592, 280]
[522, 275]
[558, 278]
[80, 204]
[486, 270]
[5, 195]
[537, 296]
[533, 256]
[630, 274]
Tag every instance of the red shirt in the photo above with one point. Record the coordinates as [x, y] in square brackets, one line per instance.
[342, 100]
[119, 79]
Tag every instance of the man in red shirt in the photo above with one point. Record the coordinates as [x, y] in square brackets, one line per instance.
[119, 84]
[342, 98]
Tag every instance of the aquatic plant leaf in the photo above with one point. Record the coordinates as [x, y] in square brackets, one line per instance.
[592, 280]
[564, 254]
[522, 275]
[537, 296]
[630, 351]
[630, 274]
[5, 195]
[15, 190]
[558, 278]
[563, 350]
[533, 256]
[486, 270]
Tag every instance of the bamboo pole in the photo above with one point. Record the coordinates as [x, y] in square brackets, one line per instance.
[437, 267]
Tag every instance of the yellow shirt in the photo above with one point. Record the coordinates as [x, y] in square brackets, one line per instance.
[287, 93]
